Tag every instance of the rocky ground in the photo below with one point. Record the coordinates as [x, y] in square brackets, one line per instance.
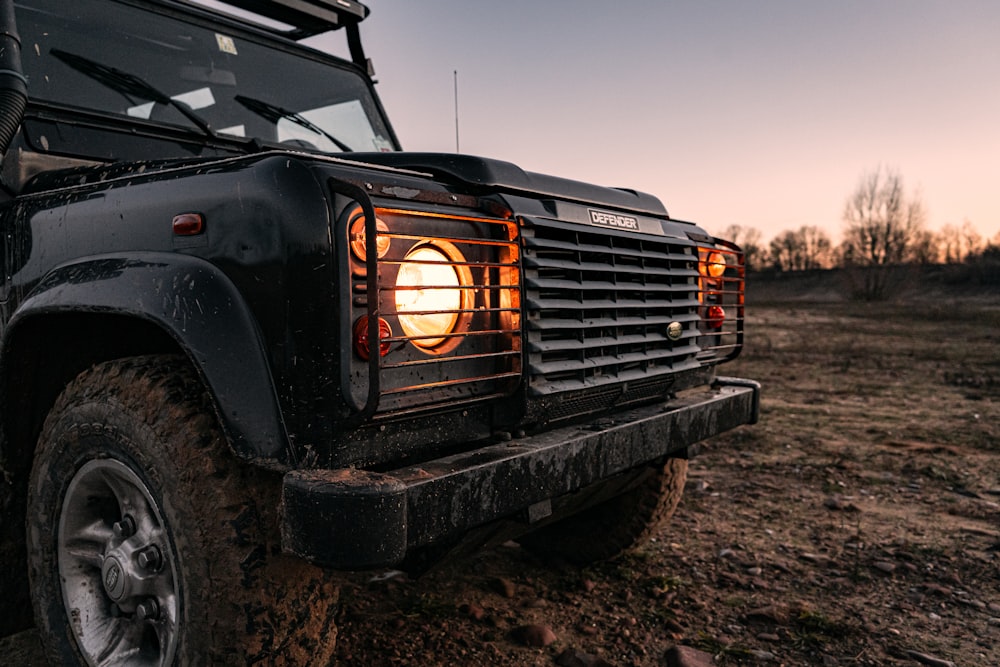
[857, 524]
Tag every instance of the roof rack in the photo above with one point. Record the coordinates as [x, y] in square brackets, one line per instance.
[308, 17]
[312, 17]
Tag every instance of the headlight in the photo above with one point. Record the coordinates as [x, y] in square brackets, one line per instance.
[429, 295]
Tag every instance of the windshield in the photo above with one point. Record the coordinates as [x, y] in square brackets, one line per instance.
[143, 65]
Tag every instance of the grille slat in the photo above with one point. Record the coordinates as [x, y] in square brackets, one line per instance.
[595, 343]
[587, 305]
[597, 286]
[578, 323]
[555, 386]
[602, 362]
[554, 244]
[603, 269]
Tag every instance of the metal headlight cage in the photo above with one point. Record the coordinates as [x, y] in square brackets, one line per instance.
[471, 349]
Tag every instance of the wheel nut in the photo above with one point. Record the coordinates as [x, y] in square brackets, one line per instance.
[125, 528]
[147, 610]
[149, 558]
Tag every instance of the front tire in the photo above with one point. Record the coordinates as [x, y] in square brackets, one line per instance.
[615, 526]
[149, 544]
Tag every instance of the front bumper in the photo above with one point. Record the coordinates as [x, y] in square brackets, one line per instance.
[355, 519]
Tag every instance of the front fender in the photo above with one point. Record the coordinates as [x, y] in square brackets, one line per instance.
[197, 305]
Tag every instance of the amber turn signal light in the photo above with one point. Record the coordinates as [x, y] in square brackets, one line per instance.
[713, 266]
[359, 242]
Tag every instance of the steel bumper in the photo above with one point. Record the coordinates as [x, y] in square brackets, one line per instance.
[354, 519]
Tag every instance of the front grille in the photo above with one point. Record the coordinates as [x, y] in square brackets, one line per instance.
[599, 304]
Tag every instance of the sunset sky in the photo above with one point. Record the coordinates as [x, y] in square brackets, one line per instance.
[764, 114]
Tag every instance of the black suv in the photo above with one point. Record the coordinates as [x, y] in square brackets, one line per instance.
[248, 341]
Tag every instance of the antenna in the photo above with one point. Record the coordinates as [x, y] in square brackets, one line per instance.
[456, 112]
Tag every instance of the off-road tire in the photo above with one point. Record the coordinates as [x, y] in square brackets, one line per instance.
[615, 526]
[144, 424]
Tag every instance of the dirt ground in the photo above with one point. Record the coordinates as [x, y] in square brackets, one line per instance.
[857, 524]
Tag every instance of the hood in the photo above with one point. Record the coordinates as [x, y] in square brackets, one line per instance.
[496, 175]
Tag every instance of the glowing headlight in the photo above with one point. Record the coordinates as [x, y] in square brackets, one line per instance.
[428, 296]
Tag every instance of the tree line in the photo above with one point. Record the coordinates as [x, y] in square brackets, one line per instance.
[883, 227]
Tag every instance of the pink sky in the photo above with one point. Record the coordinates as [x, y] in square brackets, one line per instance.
[764, 114]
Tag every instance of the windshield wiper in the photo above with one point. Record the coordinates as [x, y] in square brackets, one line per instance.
[129, 85]
[273, 113]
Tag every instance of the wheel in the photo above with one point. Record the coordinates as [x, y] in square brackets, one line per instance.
[614, 526]
[150, 544]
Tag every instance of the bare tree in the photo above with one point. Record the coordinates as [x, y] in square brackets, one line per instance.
[806, 248]
[958, 244]
[972, 240]
[880, 226]
[749, 239]
[949, 240]
[926, 247]
[880, 221]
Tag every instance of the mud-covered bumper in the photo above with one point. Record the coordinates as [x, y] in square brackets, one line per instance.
[354, 519]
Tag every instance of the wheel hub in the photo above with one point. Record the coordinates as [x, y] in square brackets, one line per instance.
[115, 578]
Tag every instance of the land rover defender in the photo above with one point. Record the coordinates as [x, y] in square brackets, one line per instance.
[247, 341]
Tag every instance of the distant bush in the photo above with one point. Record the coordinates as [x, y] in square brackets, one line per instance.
[979, 274]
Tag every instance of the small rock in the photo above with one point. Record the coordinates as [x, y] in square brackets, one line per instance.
[673, 626]
[388, 575]
[754, 571]
[763, 656]
[473, 611]
[994, 607]
[937, 589]
[884, 566]
[929, 660]
[534, 635]
[837, 503]
[573, 658]
[769, 614]
[768, 637]
[823, 561]
[589, 585]
[952, 578]
[589, 630]
[685, 656]
[503, 586]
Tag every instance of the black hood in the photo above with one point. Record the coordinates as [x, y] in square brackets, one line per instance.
[496, 175]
